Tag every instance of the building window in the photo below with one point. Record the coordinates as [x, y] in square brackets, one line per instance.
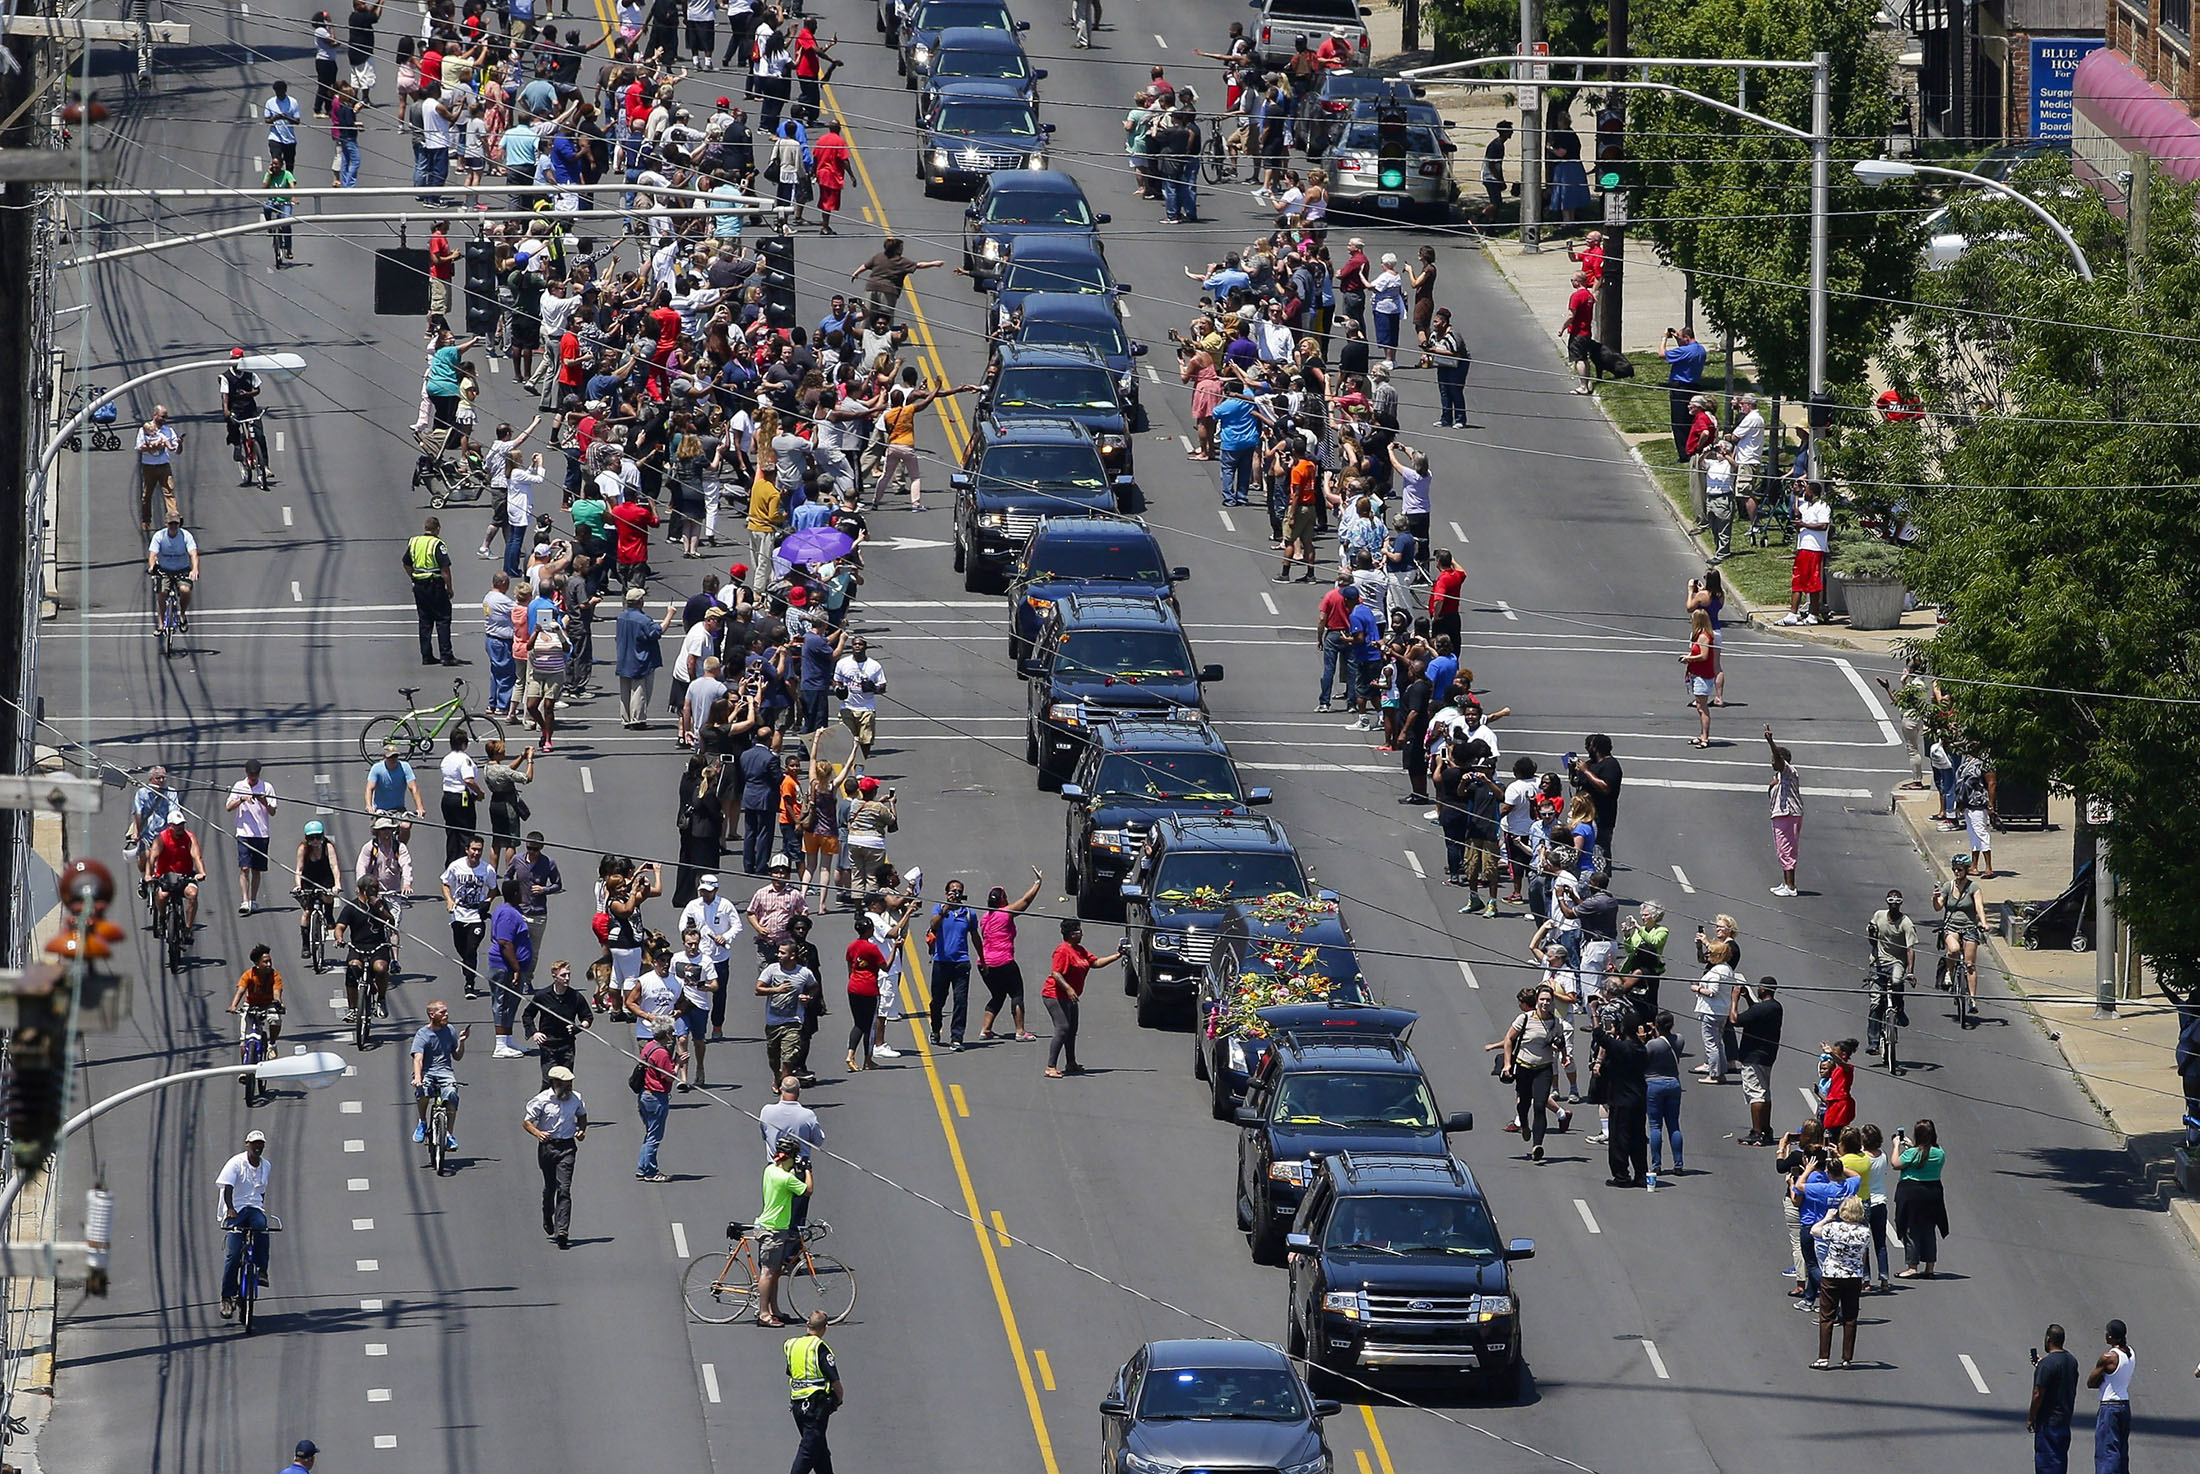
[2177, 16]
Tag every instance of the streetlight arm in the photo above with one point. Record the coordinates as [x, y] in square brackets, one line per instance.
[100, 1108]
[76, 421]
[2046, 217]
[1710, 102]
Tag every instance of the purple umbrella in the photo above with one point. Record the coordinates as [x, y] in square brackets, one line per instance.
[815, 545]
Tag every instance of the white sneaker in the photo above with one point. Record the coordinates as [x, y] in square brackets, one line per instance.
[505, 1051]
[1783, 890]
[885, 1052]
[1810, 619]
[1789, 618]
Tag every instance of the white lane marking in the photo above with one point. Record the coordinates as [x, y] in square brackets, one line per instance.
[1507, 610]
[378, 1348]
[680, 1247]
[1810, 1101]
[385, 1440]
[1588, 1219]
[356, 1184]
[367, 1266]
[296, 597]
[1414, 861]
[351, 1107]
[324, 789]
[1681, 876]
[1466, 970]
[1879, 713]
[1268, 603]
[337, 1002]
[1153, 375]
[355, 1145]
[1696, 784]
[378, 1394]
[1158, 41]
[278, 440]
[370, 1305]
[1971, 1367]
[1227, 524]
[1186, 440]
[350, 1071]
[1458, 532]
[710, 1382]
[496, 365]
[286, 517]
[588, 780]
[362, 1225]
[1657, 1362]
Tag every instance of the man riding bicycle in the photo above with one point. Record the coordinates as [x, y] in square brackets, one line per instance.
[178, 863]
[436, 1050]
[392, 790]
[150, 807]
[173, 558]
[260, 991]
[367, 930]
[316, 879]
[384, 860]
[1893, 938]
[243, 1184]
[1962, 921]
[241, 412]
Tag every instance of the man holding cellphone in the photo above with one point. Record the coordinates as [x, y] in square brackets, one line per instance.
[436, 1050]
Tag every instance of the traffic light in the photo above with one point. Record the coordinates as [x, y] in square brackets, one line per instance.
[775, 269]
[1611, 173]
[36, 1051]
[481, 287]
[1390, 148]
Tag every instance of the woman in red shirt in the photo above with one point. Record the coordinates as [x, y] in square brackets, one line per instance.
[1837, 1083]
[865, 963]
[1065, 985]
[829, 164]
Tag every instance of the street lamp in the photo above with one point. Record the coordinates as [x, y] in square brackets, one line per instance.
[283, 364]
[1891, 171]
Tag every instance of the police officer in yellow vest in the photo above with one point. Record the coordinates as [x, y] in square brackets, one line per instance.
[428, 564]
[813, 1393]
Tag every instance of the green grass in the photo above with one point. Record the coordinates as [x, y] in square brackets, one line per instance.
[1759, 575]
[1640, 404]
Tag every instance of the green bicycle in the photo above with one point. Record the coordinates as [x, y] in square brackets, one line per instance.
[420, 731]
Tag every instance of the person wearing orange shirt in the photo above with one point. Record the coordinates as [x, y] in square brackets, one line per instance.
[261, 988]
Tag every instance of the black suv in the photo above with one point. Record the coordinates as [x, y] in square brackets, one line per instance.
[1397, 1266]
[1097, 656]
[1285, 954]
[1060, 382]
[1187, 874]
[1136, 770]
[1013, 474]
[1015, 204]
[1345, 1083]
[1112, 555]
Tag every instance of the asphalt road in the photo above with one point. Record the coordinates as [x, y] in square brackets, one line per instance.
[423, 1324]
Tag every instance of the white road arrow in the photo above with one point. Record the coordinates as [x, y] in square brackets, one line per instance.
[905, 544]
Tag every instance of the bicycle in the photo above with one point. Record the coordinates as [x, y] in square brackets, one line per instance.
[359, 969]
[314, 901]
[1217, 164]
[720, 1288]
[1883, 1020]
[252, 450]
[420, 731]
[252, 1050]
[249, 1272]
[167, 610]
[168, 921]
[1952, 976]
[439, 1128]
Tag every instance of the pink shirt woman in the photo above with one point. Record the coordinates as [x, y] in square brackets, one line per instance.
[1004, 980]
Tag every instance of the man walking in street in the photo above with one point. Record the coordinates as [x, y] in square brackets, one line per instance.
[252, 802]
[660, 1072]
[157, 444]
[2054, 1394]
[953, 924]
[554, 1018]
[558, 1120]
[1332, 626]
[814, 1393]
[427, 563]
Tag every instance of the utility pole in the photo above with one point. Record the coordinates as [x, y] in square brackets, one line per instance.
[1614, 182]
[2106, 949]
[1531, 128]
[2136, 197]
[1821, 203]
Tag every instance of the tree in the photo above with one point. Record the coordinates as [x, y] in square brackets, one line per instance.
[1492, 27]
[1729, 202]
[2063, 541]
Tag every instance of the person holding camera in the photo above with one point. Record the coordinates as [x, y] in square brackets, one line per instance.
[1536, 1044]
[857, 681]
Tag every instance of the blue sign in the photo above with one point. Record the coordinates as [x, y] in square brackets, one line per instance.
[2054, 76]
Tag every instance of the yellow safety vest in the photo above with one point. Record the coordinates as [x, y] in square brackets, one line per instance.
[421, 557]
[805, 1367]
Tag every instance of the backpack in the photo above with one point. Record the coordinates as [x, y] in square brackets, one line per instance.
[1971, 784]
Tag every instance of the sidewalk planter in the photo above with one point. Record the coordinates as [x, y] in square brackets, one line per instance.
[1873, 602]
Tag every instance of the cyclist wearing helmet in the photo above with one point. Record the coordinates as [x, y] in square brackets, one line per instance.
[241, 412]
[787, 1178]
[176, 853]
[385, 859]
[367, 931]
[316, 879]
[1893, 938]
[1963, 921]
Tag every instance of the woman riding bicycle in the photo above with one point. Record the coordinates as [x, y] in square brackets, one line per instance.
[1963, 921]
[316, 879]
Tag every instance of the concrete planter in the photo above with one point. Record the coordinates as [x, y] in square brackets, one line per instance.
[1873, 603]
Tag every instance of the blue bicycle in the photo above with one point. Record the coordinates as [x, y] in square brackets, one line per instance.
[249, 1272]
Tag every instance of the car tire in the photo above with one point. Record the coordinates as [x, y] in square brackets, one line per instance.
[1504, 1386]
[1153, 1010]
[1294, 1340]
[973, 576]
[1321, 1379]
[1265, 1238]
[1130, 974]
[960, 557]
[1199, 1052]
[1244, 1211]
[1031, 742]
[1096, 900]
[1218, 1093]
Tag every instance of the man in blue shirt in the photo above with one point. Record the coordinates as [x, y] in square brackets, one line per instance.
[1222, 280]
[1364, 636]
[302, 1460]
[1684, 360]
[640, 646]
[820, 653]
[952, 925]
[436, 1050]
[1443, 669]
[511, 966]
[1819, 1193]
[1238, 422]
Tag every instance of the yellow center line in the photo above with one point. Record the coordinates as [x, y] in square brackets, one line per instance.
[951, 418]
[1046, 1368]
[1375, 1437]
[962, 1106]
[920, 989]
[1361, 1455]
[1001, 1227]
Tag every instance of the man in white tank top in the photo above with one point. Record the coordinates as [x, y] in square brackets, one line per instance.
[2112, 1424]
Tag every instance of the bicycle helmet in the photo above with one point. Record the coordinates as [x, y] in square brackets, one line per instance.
[1961, 861]
[315, 829]
[787, 1146]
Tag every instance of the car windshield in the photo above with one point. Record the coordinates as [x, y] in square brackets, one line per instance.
[1364, 135]
[1015, 468]
[1127, 655]
[1055, 276]
[1037, 207]
[1362, 84]
[1069, 387]
[1178, 775]
[1104, 336]
[1458, 1226]
[1227, 876]
[1324, 1098]
[993, 115]
[1267, 1393]
[1127, 560]
[938, 15]
[972, 62]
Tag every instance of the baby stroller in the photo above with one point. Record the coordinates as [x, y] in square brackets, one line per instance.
[450, 468]
[2066, 921]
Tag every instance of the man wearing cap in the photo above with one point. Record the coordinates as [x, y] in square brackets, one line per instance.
[1893, 938]
[697, 646]
[427, 564]
[252, 800]
[243, 1184]
[718, 921]
[175, 851]
[774, 905]
[558, 1120]
[302, 1457]
[173, 555]
[641, 653]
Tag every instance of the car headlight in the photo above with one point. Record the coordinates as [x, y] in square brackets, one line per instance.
[1140, 1464]
[1494, 1307]
[1351, 1304]
[1036, 161]
[1065, 711]
[1237, 1055]
[992, 250]
[1168, 942]
[1038, 605]
[921, 55]
[992, 519]
[939, 158]
[1111, 445]
[1297, 1172]
[1110, 839]
[1319, 1464]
